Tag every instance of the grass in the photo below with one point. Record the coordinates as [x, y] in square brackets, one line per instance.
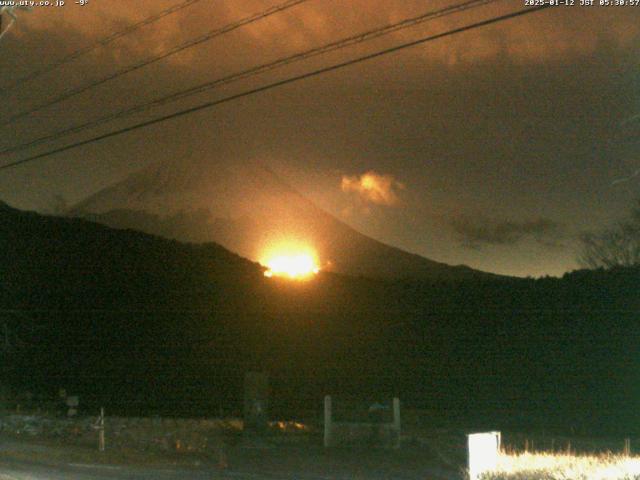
[564, 466]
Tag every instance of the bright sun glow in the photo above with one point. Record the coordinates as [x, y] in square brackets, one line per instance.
[295, 266]
[290, 259]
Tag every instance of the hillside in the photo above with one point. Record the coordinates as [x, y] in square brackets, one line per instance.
[145, 324]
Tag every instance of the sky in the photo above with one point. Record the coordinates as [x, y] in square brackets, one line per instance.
[495, 148]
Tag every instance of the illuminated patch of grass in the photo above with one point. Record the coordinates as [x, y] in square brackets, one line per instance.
[559, 466]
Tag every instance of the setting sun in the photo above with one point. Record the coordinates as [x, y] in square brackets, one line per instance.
[297, 266]
[290, 259]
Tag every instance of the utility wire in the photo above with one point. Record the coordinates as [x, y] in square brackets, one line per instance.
[100, 43]
[280, 83]
[148, 61]
[346, 42]
[209, 311]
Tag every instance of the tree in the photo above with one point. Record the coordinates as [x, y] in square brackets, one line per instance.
[618, 245]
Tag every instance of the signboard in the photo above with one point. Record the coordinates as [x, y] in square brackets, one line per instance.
[484, 450]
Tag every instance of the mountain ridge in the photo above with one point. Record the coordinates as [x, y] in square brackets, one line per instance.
[248, 209]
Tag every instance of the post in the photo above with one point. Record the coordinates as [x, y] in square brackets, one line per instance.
[327, 421]
[101, 443]
[72, 403]
[483, 451]
[627, 447]
[256, 402]
[396, 421]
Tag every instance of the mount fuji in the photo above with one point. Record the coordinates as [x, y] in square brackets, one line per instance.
[247, 208]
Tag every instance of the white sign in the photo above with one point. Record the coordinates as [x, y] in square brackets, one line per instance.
[484, 449]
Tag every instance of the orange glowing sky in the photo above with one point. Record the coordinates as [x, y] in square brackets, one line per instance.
[574, 32]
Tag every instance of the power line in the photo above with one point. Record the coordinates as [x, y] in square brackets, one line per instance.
[346, 42]
[100, 43]
[278, 84]
[209, 311]
[148, 61]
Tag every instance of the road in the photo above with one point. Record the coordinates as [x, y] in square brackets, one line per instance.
[244, 464]
[22, 470]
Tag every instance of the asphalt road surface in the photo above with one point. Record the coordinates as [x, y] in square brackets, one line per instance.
[244, 464]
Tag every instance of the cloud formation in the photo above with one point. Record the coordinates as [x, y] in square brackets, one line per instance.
[574, 32]
[372, 187]
[475, 233]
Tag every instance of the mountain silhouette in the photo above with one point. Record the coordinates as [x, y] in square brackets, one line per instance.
[249, 209]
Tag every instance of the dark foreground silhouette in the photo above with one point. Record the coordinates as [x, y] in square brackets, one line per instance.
[149, 326]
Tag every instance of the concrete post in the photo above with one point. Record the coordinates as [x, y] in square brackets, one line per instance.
[396, 421]
[256, 402]
[327, 421]
[101, 442]
[627, 447]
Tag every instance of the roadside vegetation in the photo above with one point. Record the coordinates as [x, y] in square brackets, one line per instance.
[565, 466]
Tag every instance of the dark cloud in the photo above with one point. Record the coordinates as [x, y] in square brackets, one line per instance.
[474, 233]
